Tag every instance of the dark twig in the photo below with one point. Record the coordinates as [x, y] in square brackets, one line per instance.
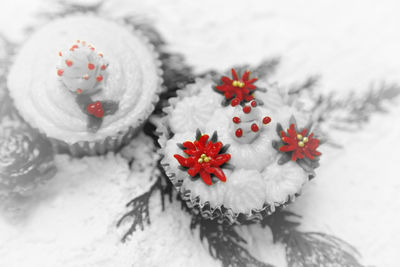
[225, 244]
[309, 249]
[139, 210]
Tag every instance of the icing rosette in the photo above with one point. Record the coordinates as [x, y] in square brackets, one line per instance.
[227, 151]
[86, 83]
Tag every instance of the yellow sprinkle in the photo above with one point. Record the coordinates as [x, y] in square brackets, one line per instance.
[299, 137]
[200, 160]
[235, 83]
[203, 155]
[301, 144]
[207, 159]
[305, 140]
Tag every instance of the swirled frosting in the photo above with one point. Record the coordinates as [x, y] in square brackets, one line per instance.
[133, 78]
[256, 178]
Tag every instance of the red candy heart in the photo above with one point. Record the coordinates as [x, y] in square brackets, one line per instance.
[96, 109]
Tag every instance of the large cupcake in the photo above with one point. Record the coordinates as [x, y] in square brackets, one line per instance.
[87, 83]
[237, 150]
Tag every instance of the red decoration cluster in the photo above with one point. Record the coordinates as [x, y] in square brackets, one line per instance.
[96, 109]
[238, 89]
[300, 147]
[90, 66]
[204, 159]
[255, 127]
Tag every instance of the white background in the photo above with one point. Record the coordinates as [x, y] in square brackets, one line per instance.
[355, 196]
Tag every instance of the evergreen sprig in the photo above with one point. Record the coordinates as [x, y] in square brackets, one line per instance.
[224, 243]
[353, 111]
[309, 249]
[64, 8]
[139, 212]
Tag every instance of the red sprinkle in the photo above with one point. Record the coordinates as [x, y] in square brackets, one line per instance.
[90, 66]
[266, 120]
[99, 78]
[253, 104]
[246, 109]
[235, 102]
[103, 67]
[60, 53]
[73, 47]
[239, 132]
[100, 55]
[236, 120]
[60, 72]
[79, 91]
[254, 127]
[68, 62]
[86, 77]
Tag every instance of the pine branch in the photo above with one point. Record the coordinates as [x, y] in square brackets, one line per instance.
[309, 249]
[176, 72]
[225, 244]
[309, 84]
[64, 8]
[348, 112]
[139, 211]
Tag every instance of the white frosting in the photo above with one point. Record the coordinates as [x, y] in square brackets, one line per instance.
[257, 178]
[133, 79]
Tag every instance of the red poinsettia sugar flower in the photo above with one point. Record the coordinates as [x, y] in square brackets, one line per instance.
[238, 89]
[299, 143]
[204, 159]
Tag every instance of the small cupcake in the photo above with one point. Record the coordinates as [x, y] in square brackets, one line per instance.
[233, 150]
[86, 83]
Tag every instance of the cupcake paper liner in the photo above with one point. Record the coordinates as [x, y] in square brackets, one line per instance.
[220, 213]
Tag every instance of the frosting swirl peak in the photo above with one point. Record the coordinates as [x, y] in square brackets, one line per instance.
[81, 69]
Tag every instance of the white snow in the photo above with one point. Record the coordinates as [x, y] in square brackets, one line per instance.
[71, 221]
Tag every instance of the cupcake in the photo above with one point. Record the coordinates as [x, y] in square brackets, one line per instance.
[86, 83]
[237, 150]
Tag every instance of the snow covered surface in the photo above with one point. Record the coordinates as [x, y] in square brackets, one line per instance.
[71, 221]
